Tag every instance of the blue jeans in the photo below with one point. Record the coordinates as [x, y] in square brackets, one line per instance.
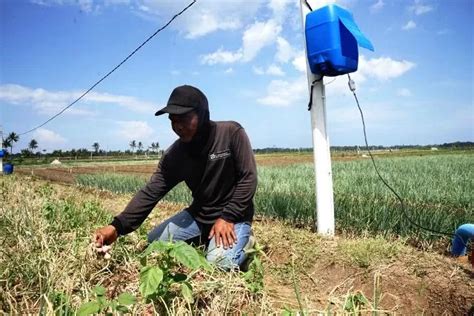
[183, 226]
[463, 234]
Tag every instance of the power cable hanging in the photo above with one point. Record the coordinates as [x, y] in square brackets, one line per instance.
[402, 204]
[110, 72]
[310, 103]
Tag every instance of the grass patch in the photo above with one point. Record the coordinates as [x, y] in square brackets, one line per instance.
[369, 251]
[47, 264]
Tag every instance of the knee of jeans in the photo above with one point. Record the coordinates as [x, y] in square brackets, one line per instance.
[223, 259]
[155, 234]
[465, 231]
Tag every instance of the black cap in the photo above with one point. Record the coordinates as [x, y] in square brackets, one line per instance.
[184, 99]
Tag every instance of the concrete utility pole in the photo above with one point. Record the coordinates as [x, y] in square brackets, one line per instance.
[321, 154]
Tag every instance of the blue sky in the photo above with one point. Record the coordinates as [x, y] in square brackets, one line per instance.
[246, 56]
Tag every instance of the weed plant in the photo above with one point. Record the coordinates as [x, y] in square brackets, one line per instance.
[44, 256]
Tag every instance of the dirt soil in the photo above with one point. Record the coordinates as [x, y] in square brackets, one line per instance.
[296, 260]
[66, 174]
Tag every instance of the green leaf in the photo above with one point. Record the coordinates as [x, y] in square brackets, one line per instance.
[187, 292]
[123, 309]
[126, 299]
[156, 246]
[113, 305]
[286, 311]
[99, 290]
[143, 260]
[88, 308]
[186, 255]
[103, 303]
[361, 299]
[205, 264]
[150, 279]
[179, 277]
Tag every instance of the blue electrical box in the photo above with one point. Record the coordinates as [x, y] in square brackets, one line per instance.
[332, 40]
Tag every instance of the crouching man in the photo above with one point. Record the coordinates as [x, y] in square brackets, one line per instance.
[216, 162]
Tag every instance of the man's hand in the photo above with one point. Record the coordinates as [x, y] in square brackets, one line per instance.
[224, 233]
[105, 236]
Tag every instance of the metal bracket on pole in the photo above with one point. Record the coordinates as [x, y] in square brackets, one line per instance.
[321, 154]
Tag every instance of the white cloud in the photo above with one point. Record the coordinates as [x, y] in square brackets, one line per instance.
[273, 70]
[257, 36]
[279, 8]
[258, 70]
[205, 17]
[321, 3]
[383, 68]
[419, 8]
[377, 6]
[289, 92]
[129, 102]
[133, 130]
[48, 139]
[281, 93]
[208, 22]
[144, 8]
[409, 26]
[51, 102]
[86, 5]
[404, 92]
[221, 56]
[443, 32]
[300, 62]
[117, 2]
[229, 70]
[48, 2]
[284, 50]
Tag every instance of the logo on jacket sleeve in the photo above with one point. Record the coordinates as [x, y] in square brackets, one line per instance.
[220, 155]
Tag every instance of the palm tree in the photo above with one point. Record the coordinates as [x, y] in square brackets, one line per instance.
[154, 147]
[6, 143]
[33, 145]
[140, 146]
[11, 139]
[96, 147]
[133, 145]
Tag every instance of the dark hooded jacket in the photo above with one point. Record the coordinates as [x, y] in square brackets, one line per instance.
[218, 166]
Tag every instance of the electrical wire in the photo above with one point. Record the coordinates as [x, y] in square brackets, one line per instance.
[110, 72]
[326, 84]
[310, 104]
[402, 204]
[307, 4]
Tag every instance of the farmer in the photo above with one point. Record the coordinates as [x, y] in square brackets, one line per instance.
[463, 234]
[216, 162]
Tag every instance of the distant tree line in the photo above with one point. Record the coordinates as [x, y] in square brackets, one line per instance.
[269, 150]
[138, 148]
[454, 145]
